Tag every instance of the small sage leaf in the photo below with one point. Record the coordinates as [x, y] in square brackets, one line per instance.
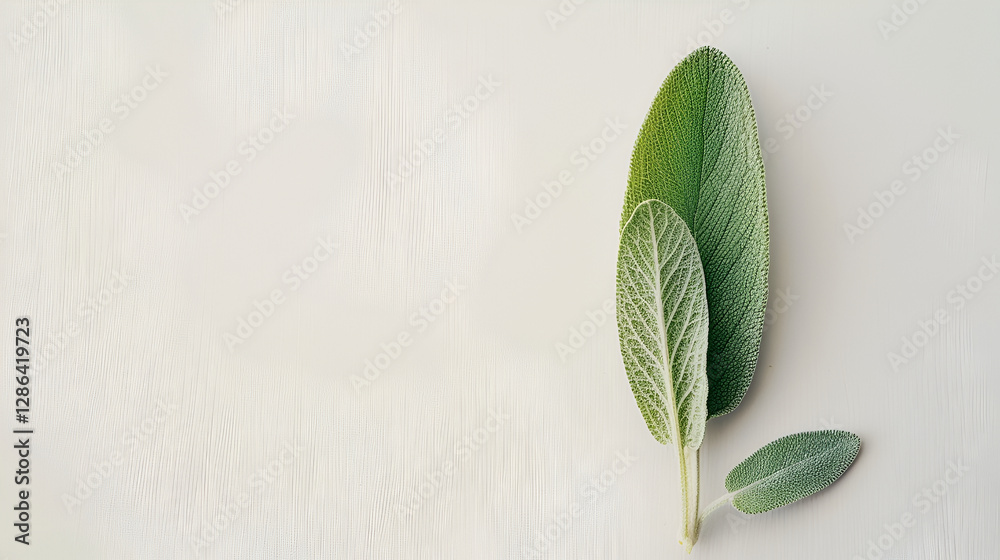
[698, 151]
[791, 468]
[663, 323]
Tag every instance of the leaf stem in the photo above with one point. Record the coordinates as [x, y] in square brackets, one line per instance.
[688, 464]
[723, 500]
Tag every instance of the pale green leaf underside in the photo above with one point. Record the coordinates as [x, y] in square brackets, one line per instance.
[791, 468]
[663, 323]
[698, 151]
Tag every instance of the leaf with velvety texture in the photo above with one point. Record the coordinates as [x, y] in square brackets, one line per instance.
[791, 468]
[663, 323]
[698, 152]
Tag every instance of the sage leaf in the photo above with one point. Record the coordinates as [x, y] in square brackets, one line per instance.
[698, 152]
[663, 324]
[791, 468]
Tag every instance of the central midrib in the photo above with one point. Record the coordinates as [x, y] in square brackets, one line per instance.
[672, 416]
[771, 476]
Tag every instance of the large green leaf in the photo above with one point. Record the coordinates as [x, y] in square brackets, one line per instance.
[791, 468]
[663, 323]
[698, 151]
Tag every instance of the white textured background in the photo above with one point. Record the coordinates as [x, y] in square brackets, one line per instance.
[390, 469]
